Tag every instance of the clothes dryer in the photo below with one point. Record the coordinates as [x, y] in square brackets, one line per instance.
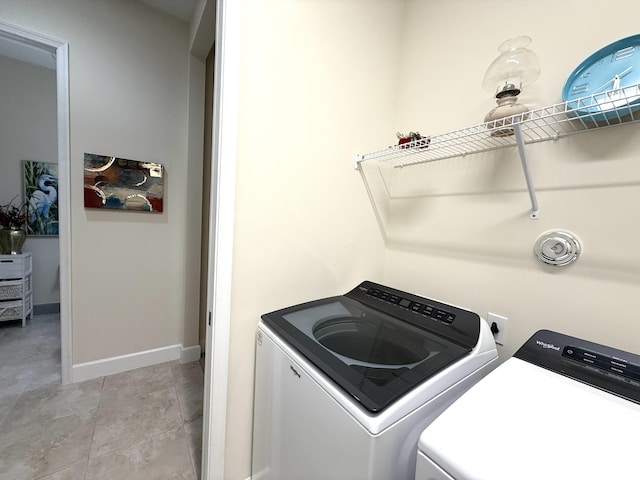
[560, 408]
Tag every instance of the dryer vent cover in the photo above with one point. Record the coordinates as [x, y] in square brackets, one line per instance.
[557, 248]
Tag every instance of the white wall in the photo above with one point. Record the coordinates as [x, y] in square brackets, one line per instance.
[28, 117]
[129, 69]
[313, 92]
[464, 235]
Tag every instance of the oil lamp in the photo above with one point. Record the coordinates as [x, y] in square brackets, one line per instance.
[515, 68]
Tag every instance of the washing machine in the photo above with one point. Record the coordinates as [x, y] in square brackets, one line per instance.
[345, 385]
[560, 408]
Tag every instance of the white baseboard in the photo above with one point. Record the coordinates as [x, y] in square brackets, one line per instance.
[123, 363]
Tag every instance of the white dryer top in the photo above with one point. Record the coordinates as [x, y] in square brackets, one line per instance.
[525, 422]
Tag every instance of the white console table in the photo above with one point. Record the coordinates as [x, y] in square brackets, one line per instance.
[16, 302]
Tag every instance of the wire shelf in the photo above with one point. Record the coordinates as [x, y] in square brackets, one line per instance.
[606, 109]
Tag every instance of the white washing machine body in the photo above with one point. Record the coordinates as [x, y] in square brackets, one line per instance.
[312, 421]
[561, 408]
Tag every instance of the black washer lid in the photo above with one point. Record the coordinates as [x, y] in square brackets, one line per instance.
[373, 342]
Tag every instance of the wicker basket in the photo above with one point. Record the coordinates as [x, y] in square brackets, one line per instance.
[10, 310]
[10, 289]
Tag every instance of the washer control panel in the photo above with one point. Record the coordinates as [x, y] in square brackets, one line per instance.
[449, 321]
[425, 309]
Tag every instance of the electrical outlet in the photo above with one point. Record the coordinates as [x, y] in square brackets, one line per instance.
[500, 329]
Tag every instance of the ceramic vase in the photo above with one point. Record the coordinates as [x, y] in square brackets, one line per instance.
[11, 240]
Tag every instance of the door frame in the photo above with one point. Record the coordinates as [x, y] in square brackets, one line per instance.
[220, 265]
[60, 49]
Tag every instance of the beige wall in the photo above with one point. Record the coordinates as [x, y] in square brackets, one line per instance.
[28, 117]
[324, 80]
[128, 68]
[313, 92]
[464, 234]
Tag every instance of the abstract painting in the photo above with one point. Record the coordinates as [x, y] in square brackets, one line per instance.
[41, 197]
[119, 183]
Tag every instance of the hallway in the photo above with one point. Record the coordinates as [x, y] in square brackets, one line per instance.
[142, 424]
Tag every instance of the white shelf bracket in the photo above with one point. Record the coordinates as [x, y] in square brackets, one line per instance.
[535, 211]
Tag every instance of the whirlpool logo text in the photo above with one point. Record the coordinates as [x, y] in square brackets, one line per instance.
[547, 345]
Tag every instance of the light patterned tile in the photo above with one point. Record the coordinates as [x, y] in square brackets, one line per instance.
[126, 420]
[30, 356]
[7, 402]
[55, 401]
[41, 449]
[193, 431]
[187, 373]
[74, 472]
[161, 457]
[189, 383]
[45, 372]
[149, 420]
[13, 381]
[139, 381]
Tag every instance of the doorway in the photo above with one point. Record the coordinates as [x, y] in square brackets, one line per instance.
[220, 263]
[41, 45]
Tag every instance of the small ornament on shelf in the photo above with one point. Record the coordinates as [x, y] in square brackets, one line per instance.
[412, 140]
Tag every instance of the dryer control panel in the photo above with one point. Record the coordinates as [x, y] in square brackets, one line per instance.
[606, 368]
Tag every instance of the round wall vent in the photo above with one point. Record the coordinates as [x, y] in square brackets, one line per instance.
[557, 247]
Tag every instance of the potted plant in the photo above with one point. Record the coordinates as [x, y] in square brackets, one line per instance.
[13, 218]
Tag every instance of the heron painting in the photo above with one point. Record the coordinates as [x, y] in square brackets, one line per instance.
[41, 196]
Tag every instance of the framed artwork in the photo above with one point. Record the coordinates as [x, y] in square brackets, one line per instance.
[41, 197]
[122, 184]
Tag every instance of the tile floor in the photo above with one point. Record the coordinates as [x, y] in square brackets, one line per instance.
[143, 424]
